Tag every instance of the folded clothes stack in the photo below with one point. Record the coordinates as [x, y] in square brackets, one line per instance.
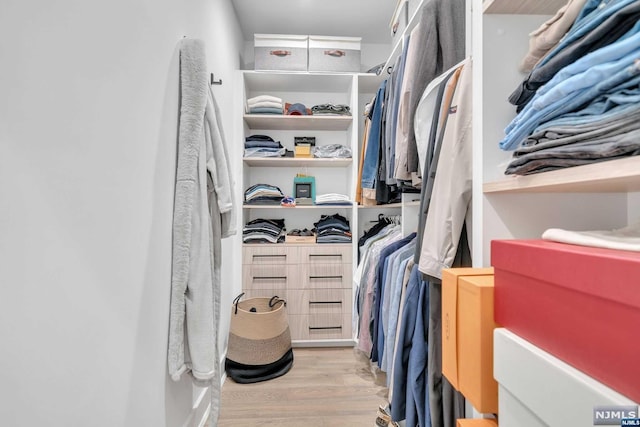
[263, 146]
[333, 229]
[296, 109]
[263, 194]
[332, 199]
[331, 109]
[265, 104]
[579, 103]
[264, 231]
[331, 151]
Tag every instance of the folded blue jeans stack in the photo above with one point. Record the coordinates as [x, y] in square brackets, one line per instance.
[587, 111]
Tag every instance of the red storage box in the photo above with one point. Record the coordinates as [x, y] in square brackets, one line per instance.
[578, 303]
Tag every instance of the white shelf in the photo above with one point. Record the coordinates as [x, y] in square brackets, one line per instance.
[276, 122]
[522, 7]
[387, 206]
[297, 207]
[612, 176]
[290, 81]
[296, 162]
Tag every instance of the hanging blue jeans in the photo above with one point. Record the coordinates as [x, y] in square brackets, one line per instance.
[371, 157]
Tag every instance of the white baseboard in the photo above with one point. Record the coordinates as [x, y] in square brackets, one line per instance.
[202, 406]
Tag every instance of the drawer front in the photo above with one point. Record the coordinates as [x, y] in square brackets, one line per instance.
[319, 301]
[269, 254]
[325, 276]
[320, 327]
[280, 276]
[326, 254]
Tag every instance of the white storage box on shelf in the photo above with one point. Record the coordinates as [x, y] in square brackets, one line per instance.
[280, 52]
[340, 54]
[399, 20]
[536, 389]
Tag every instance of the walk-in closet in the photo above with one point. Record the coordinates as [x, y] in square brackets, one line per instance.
[390, 213]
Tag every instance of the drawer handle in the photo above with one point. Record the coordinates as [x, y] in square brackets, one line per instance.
[325, 255]
[280, 53]
[320, 328]
[269, 277]
[325, 302]
[270, 256]
[335, 53]
[325, 277]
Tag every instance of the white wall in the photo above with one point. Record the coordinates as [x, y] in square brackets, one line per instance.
[88, 125]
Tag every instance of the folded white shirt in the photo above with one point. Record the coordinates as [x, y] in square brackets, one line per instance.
[626, 238]
[332, 197]
[263, 98]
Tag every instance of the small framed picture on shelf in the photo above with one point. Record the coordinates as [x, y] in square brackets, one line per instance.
[304, 190]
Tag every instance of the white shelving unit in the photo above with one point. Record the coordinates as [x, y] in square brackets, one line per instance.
[603, 195]
[331, 176]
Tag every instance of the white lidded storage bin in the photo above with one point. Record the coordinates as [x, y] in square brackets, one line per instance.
[280, 52]
[399, 20]
[334, 53]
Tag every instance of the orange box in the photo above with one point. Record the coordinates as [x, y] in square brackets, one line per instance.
[476, 423]
[467, 335]
[450, 351]
[475, 338]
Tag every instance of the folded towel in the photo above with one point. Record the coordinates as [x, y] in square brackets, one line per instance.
[265, 104]
[263, 98]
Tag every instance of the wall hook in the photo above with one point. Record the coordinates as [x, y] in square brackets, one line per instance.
[214, 82]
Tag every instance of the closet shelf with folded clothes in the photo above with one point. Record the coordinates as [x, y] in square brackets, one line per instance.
[611, 176]
[285, 122]
[533, 7]
[295, 162]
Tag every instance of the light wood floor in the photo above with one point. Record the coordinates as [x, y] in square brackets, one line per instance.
[327, 387]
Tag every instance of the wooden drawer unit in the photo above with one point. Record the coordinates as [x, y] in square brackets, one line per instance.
[320, 326]
[269, 254]
[319, 301]
[323, 276]
[314, 279]
[325, 254]
[276, 276]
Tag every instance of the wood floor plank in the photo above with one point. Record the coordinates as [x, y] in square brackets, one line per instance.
[327, 387]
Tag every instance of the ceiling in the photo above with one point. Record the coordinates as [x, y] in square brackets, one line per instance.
[368, 19]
